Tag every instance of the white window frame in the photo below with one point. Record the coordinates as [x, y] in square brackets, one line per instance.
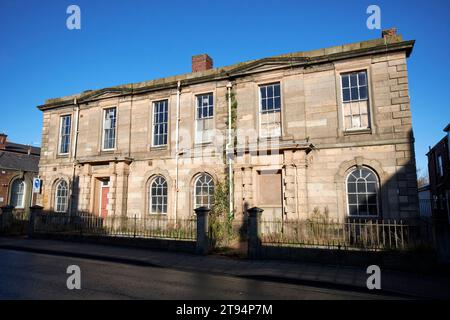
[22, 199]
[61, 134]
[197, 96]
[154, 123]
[260, 111]
[163, 198]
[202, 118]
[210, 197]
[377, 194]
[104, 129]
[369, 114]
[66, 203]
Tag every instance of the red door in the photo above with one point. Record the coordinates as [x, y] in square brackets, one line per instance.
[104, 202]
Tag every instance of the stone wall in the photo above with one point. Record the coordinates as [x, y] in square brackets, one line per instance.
[313, 176]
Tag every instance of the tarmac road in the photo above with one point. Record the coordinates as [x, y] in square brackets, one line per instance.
[25, 275]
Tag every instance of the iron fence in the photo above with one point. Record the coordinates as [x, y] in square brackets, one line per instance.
[141, 227]
[14, 223]
[366, 234]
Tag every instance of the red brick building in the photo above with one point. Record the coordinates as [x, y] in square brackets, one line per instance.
[18, 166]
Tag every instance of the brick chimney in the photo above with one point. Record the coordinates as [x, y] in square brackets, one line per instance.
[201, 62]
[386, 33]
[3, 141]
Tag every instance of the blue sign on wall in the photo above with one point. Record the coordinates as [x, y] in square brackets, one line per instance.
[37, 185]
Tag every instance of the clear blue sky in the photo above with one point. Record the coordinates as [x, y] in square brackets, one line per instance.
[129, 41]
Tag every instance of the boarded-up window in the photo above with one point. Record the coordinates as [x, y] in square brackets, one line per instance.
[204, 130]
[271, 124]
[270, 188]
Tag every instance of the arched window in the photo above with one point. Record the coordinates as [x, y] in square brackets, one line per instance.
[158, 196]
[17, 197]
[362, 193]
[61, 196]
[203, 191]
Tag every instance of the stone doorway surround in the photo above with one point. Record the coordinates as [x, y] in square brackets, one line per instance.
[89, 172]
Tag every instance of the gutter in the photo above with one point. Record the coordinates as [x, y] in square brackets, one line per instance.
[74, 151]
[177, 150]
[230, 154]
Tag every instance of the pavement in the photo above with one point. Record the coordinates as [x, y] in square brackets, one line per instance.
[319, 275]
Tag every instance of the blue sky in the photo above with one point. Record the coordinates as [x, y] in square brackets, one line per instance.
[129, 41]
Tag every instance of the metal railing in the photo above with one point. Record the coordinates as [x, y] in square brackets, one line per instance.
[136, 227]
[15, 223]
[365, 234]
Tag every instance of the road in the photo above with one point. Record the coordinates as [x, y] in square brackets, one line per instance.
[25, 275]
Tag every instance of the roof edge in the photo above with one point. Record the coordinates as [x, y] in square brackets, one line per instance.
[233, 71]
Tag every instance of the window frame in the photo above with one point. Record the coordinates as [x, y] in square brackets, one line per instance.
[197, 120]
[196, 180]
[197, 96]
[440, 166]
[342, 73]
[377, 193]
[164, 197]
[66, 204]
[61, 117]
[358, 86]
[104, 129]
[153, 145]
[22, 181]
[260, 111]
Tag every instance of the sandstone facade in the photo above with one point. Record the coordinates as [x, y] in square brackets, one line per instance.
[303, 171]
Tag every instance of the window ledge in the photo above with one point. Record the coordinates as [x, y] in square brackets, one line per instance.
[350, 132]
[107, 151]
[270, 138]
[202, 144]
[157, 148]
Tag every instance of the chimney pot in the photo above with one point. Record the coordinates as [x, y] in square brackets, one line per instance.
[389, 32]
[3, 141]
[201, 62]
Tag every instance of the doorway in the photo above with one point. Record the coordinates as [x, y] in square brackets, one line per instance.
[270, 194]
[103, 197]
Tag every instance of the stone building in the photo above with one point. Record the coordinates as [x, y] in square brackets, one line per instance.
[18, 166]
[324, 131]
[439, 174]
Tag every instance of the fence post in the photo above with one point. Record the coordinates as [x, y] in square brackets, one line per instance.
[254, 232]
[34, 210]
[6, 217]
[202, 244]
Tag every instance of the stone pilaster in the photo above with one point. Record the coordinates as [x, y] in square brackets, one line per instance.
[248, 188]
[119, 183]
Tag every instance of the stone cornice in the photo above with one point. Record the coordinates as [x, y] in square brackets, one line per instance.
[301, 59]
[274, 145]
[104, 159]
[363, 143]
